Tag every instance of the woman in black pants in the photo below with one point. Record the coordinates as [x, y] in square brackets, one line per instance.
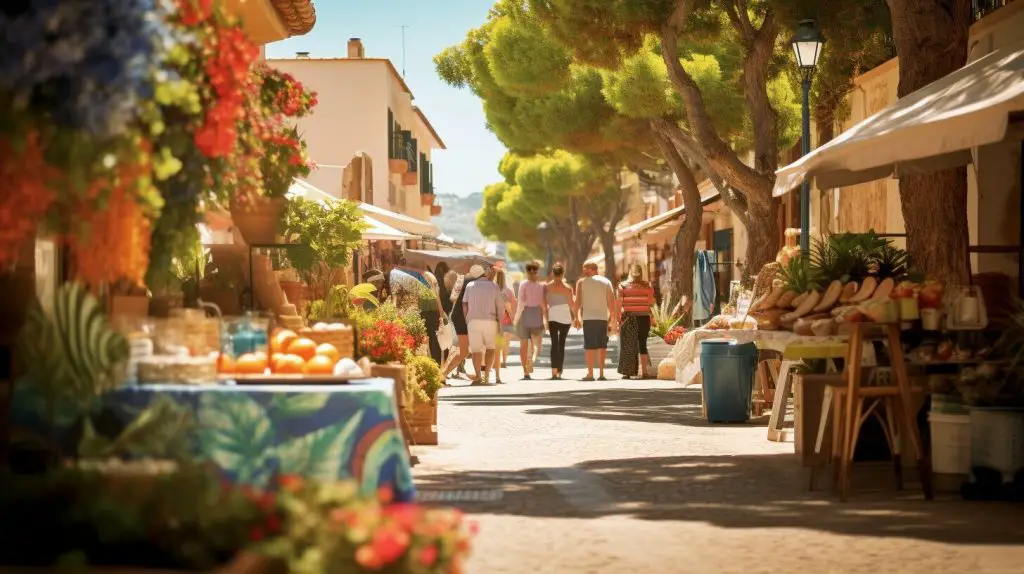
[560, 303]
[636, 297]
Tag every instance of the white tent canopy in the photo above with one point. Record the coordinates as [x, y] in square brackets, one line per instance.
[662, 227]
[934, 128]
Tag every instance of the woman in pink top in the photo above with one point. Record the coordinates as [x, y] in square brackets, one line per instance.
[530, 318]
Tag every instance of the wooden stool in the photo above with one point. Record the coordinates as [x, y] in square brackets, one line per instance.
[765, 384]
[793, 357]
[853, 404]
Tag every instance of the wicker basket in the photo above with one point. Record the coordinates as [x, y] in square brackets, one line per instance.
[422, 420]
[344, 340]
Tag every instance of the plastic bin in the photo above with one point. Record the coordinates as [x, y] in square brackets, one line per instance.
[727, 370]
[997, 440]
[951, 442]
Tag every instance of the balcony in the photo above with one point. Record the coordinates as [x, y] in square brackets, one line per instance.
[982, 8]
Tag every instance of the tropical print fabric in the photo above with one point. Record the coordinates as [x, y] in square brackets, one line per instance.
[252, 433]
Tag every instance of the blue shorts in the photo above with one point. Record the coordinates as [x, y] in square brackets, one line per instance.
[595, 334]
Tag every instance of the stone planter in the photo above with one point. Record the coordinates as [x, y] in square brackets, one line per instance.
[257, 223]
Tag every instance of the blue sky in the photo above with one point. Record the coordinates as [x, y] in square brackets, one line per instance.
[471, 160]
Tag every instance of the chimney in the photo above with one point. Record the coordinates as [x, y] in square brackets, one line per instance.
[355, 48]
[302, 55]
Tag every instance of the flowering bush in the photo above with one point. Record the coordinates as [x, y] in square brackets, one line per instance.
[424, 380]
[386, 342]
[329, 529]
[673, 335]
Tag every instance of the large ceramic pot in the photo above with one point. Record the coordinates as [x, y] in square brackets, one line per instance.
[658, 350]
[258, 221]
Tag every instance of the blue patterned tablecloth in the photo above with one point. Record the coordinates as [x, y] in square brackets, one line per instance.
[253, 432]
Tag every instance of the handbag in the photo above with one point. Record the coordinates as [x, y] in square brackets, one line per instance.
[446, 333]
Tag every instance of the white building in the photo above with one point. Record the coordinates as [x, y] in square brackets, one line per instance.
[365, 106]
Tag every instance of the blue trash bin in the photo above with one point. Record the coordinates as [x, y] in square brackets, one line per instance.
[728, 372]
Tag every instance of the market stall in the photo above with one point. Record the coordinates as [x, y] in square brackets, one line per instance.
[459, 261]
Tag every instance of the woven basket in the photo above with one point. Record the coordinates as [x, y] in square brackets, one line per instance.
[422, 421]
[343, 340]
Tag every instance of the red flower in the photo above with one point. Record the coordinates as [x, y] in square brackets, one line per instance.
[256, 534]
[368, 558]
[385, 494]
[428, 555]
[273, 524]
[291, 482]
[389, 543]
[386, 342]
[404, 515]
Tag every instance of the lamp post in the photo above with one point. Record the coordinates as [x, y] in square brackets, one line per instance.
[807, 43]
[544, 228]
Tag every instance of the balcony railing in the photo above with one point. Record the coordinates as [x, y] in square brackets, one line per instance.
[982, 8]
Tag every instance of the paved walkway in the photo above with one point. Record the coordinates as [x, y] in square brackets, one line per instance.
[624, 476]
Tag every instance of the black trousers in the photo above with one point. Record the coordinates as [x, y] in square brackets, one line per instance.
[559, 332]
[433, 321]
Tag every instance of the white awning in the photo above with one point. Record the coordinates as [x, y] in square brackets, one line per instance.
[378, 231]
[661, 227]
[305, 190]
[934, 128]
[401, 222]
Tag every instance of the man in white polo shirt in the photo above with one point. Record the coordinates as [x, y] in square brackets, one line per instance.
[483, 305]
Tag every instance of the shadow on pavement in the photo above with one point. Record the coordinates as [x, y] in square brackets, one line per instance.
[755, 491]
[680, 406]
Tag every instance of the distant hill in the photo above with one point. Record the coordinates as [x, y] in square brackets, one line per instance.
[458, 216]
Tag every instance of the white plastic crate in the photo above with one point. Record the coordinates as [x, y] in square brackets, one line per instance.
[997, 440]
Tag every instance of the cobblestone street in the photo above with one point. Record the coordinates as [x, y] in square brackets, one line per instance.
[624, 476]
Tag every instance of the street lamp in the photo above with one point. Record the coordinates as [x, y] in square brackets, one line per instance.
[807, 43]
[544, 228]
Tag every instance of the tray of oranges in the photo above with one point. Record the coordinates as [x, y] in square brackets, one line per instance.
[292, 359]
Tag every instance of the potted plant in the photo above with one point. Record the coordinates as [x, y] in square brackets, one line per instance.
[663, 321]
[320, 240]
[422, 384]
[275, 151]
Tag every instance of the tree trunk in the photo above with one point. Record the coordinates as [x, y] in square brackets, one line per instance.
[931, 41]
[608, 247]
[689, 231]
[762, 238]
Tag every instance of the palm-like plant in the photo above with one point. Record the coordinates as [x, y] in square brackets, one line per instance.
[662, 319]
[798, 275]
[891, 262]
[845, 256]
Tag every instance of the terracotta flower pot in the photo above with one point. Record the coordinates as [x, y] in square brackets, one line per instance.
[435, 210]
[257, 222]
[426, 199]
[129, 306]
[295, 291]
[398, 166]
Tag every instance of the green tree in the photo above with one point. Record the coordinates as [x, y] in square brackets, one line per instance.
[556, 187]
[537, 97]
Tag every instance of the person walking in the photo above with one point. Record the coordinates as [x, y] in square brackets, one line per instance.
[430, 311]
[636, 296]
[596, 312]
[507, 328]
[483, 305]
[530, 318]
[560, 305]
[459, 316]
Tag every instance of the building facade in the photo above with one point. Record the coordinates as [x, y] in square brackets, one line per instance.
[366, 111]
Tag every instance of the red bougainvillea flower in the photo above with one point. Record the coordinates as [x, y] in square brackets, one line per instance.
[390, 542]
[405, 515]
[194, 12]
[427, 555]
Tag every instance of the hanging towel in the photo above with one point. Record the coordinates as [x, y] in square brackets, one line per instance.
[704, 291]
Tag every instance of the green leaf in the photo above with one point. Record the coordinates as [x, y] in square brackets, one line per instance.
[297, 404]
[389, 444]
[235, 433]
[321, 454]
[92, 445]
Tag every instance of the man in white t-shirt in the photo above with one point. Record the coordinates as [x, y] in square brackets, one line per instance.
[597, 312]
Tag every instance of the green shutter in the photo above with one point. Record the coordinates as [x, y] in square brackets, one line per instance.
[391, 134]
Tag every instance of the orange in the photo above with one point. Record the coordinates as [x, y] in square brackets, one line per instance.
[281, 339]
[250, 364]
[302, 347]
[319, 365]
[225, 364]
[330, 351]
[290, 365]
[273, 361]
